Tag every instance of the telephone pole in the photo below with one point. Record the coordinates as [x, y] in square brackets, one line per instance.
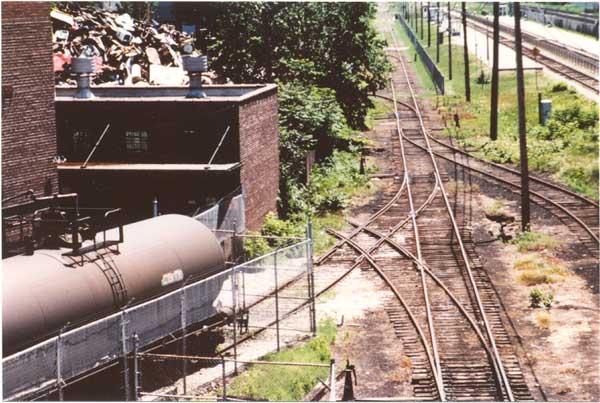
[449, 43]
[495, 44]
[421, 14]
[466, 51]
[437, 33]
[525, 216]
[428, 24]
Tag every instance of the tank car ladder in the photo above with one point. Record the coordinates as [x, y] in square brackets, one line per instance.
[109, 269]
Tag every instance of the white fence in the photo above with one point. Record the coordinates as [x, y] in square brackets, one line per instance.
[51, 364]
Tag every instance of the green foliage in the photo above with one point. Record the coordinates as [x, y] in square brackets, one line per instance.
[566, 148]
[328, 45]
[559, 87]
[534, 241]
[287, 383]
[537, 298]
[255, 247]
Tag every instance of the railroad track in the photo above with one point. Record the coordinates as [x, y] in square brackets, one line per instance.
[444, 311]
[588, 80]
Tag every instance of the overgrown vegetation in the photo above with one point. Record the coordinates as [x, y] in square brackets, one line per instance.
[537, 298]
[543, 320]
[288, 383]
[326, 59]
[534, 241]
[566, 148]
[330, 45]
[536, 269]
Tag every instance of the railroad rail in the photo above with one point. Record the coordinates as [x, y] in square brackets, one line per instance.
[586, 78]
[448, 318]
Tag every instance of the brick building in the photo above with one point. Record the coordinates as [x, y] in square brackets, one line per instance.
[28, 115]
[158, 145]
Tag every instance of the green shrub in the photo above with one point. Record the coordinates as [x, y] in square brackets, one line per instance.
[559, 87]
[287, 383]
[537, 298]
[534, 241]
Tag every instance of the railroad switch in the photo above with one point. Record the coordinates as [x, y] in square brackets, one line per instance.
[348, 386]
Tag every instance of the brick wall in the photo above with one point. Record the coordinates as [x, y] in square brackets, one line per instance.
[259, 155]
[28, 122]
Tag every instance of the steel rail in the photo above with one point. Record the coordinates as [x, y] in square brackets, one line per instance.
[372, 218]
[514, 185]
[547, 61]
[367, 256]
[415, 226]
[536, 179]
[427, 269]
[511, 184]
[463, 251]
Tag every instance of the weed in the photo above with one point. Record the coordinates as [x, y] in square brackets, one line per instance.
[496, 207]
[534, 241]
[543, 320]
[283, 383]
[559, 87]
[537, 298]
[535, 269]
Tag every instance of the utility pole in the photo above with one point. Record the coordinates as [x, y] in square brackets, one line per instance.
[421, 14]
[416, 20]
[496, 43]
[449, 43]
[525, 217]
[466, 51]
[428, 24]
[437, 33]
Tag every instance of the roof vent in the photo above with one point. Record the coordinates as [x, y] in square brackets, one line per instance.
[195, 66]
[83, 68]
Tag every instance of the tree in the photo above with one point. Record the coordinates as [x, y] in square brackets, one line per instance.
[262, 42]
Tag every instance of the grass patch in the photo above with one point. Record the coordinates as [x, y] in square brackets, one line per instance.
[566, 148]
[534, 241]
[282, 383]
[381, 110]
[496, 207]
[535, 269]
[543, 320]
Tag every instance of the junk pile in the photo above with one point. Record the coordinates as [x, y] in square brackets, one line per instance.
[127, 51]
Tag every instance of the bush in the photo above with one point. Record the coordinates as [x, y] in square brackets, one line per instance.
[537, 298]
[559, 87]
[534, 241]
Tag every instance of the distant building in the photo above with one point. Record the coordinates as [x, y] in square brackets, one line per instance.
[159, 145]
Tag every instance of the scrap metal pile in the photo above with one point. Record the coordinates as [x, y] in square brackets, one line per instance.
[128, 51]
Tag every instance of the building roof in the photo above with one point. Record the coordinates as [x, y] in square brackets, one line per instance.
[107, 166]
[215, 93]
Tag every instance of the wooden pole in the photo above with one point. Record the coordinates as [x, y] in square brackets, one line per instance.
[449, 43]
[525, 216]
[496, 44]
[421, 14]
[466, 52]
[437, 33]
[428, 24]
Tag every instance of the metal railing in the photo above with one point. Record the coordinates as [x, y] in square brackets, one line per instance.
[434, 72]
[50, 365]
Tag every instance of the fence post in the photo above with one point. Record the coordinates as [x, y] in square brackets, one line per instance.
[224, 378]
[276, 298]
[311, 280]
[234, 312]
[136, 368]
[184, 339]
[124, 354]
[59, 381]
[332, 380]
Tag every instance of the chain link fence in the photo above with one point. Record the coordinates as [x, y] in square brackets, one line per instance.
[436, 74]
[272, 295]
[225, 217]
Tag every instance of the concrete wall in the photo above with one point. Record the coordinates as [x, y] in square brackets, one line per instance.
[578, 23]
[259, 152]
[28, 117]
